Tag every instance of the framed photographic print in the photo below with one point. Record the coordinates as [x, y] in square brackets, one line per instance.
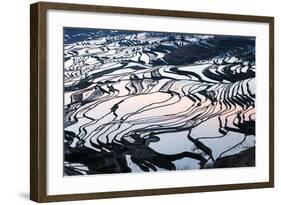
[134, 102]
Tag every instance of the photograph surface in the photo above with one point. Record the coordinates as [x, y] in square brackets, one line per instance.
[147, 101]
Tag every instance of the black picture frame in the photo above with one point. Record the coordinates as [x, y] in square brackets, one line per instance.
[38, 103]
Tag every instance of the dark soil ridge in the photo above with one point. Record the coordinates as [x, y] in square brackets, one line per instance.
[245, 158]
